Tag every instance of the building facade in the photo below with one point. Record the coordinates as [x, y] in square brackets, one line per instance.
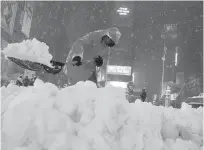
[16, 19]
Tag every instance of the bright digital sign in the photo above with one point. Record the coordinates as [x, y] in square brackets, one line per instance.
[119, 70]
[123, 11]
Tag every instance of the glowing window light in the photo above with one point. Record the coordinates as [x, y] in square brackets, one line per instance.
[117, 84]
[133, 77]
[123, 11]
[176, 57]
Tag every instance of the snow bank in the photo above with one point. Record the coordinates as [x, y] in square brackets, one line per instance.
[32, 50]
[83, 117]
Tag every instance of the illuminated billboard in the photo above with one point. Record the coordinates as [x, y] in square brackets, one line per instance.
[123, 11]
[119, 70]
[170, 31]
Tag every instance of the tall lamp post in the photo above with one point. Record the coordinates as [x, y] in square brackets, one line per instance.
[169, 33]
[163, 66]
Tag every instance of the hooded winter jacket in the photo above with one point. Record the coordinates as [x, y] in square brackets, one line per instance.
[88, 46]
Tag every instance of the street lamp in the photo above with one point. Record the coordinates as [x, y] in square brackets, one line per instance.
[163, 65]
[170, 33]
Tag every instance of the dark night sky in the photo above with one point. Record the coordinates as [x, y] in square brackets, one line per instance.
[60, 23]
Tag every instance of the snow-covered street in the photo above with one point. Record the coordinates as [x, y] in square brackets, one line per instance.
[83, 117]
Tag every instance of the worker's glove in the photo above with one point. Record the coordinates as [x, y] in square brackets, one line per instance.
[98, 61]
[76, 61]
[56, 64]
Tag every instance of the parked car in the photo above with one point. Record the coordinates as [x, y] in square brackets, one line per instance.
[195, 101]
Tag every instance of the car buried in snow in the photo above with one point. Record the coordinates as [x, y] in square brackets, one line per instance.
[195, 101]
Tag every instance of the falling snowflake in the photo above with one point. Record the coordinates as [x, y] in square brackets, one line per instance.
[52, 34]
[92, 18]
[151, 37]
[50, 14]
[132, 35]
[63, 22]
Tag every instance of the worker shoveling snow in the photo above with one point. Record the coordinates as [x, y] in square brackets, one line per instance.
[83, 117]
[86, 53]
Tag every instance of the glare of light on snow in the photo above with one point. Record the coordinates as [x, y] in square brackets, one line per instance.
[83, 117]
[32, 50]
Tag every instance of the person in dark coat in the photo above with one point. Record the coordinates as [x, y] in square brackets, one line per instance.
[26, 81]
[143, 95]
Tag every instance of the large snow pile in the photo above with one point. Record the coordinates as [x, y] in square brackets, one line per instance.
[32, 50]
[83, 117]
